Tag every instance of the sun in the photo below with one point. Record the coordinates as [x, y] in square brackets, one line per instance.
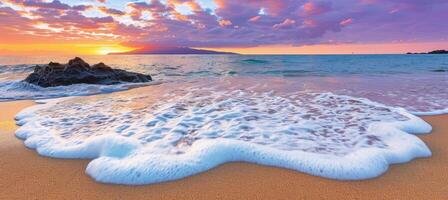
[107, 49]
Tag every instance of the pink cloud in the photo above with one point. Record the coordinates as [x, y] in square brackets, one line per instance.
[313, 8]
[346, 22]
[287, 23]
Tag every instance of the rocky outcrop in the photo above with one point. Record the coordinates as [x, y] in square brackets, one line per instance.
[77, 71]
[432, 52]
[438, 52]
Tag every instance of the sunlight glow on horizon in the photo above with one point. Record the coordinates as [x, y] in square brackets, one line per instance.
[62, 49]
[104, 49]
[374, 48]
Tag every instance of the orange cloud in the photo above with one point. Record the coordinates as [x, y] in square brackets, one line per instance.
[224, 22]
[254, 19]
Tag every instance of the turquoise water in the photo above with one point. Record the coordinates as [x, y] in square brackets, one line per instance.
[416, 82]
[162, 66]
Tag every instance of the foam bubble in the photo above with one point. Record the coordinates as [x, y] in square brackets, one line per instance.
[188, 131]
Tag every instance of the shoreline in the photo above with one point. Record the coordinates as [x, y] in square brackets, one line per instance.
[26, 175]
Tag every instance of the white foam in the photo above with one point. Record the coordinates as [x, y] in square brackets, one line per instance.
[196, 129]
[19, 90]
[432, 112]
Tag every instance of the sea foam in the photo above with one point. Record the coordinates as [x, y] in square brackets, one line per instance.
[188, 131]
[18, 90]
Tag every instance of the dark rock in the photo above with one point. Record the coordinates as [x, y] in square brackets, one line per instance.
[438, 52]
[101, 66]
[78, 71]
[432, 52]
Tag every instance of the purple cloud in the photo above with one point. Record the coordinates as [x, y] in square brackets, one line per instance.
[252, 23]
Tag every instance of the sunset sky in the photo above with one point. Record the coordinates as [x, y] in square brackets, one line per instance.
[242, 26]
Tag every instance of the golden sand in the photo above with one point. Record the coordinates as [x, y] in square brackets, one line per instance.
[25, 175]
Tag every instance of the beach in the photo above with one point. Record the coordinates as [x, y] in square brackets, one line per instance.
[219, 99]
[26, 175]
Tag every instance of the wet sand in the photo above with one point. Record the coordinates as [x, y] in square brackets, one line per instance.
[26, 175]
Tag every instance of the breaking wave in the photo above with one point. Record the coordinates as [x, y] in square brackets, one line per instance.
[188, 131]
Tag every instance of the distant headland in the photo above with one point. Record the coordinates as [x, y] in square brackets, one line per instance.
[170, 50]
[432, 52]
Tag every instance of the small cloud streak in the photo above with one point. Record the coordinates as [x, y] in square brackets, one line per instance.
[225, 22]
[346, 22]
[288, 23]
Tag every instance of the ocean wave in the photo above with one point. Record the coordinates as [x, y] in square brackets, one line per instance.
[20, 90]
[285, 73]
[133, 140]
[255, 61]
[16, 68]
[432, 112]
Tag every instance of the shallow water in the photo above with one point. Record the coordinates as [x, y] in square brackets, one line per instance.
[342, 117]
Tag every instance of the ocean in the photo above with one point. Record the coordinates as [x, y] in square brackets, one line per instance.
[337, 116]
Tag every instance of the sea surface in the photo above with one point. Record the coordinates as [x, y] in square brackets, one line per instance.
[343, 117]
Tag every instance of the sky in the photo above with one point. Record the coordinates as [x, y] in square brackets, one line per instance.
[241, 26]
